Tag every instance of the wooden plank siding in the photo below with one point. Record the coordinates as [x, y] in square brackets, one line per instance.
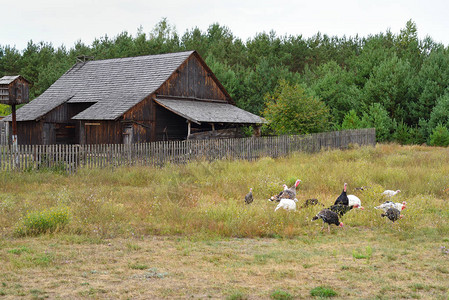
[193, 80]
[72, 157]
[102, 132]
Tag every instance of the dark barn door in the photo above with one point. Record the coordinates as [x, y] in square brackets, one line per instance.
[128, 134]
[65, 133]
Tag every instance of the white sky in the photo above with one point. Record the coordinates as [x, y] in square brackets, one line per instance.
[64, 22]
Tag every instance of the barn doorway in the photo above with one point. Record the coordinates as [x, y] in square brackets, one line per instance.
[128, 134]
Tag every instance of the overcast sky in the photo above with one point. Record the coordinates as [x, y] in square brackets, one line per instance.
[65, 22]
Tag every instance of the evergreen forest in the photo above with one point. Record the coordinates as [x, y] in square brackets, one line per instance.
[394, 82]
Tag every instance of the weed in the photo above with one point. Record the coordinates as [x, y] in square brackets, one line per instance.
[35, 223]
[322, 291]
[37, 294]
[19, 250]
[281, 295]
[357, 254]
[237, 296]
[133, 247]
[138, 267]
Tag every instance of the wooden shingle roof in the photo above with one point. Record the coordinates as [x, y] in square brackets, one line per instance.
[209, 112]
[8, 79]
[113, 85]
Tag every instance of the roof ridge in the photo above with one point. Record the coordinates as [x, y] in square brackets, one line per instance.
[187, 53]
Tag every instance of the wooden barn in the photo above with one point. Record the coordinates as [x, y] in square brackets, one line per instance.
[171, 96]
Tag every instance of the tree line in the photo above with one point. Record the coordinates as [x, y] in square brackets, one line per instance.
[397, 83]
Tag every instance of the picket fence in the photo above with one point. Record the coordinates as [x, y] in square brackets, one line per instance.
[3, 133]
[69, 158]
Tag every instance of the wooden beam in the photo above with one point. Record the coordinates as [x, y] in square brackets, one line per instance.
[189, 124]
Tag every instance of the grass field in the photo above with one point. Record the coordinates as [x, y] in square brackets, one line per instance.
[184, 231]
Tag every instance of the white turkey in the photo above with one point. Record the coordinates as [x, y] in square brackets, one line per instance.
[390, 204]
[354, 200]
[287, 204]
[390, 193]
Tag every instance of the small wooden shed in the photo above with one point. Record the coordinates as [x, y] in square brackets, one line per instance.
[172, 96]
[14, 90]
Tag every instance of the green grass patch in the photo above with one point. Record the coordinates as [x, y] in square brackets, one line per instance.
[358, 254]
[138, 267]
[281, 295]
[133, 247]
[20, 250]
[238, 295]
[322, 291]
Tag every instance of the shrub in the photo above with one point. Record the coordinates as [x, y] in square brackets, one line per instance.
[377, 117]
[290, 110]
[35, 223]
[403, 134]
[351, 120]
[322, 291]
[439, 136]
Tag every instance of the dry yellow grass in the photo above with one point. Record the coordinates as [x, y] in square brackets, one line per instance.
[184, 231]
[170, 267]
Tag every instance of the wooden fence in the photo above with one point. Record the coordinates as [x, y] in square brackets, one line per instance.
[70, 157]
[3, 133]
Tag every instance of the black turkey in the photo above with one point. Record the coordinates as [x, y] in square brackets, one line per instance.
[249, 196]
[393, 214]
[311, 202]
[340, 209]
[329, 217]
[343, 198]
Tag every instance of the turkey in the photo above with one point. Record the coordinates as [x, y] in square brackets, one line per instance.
[277, 197]
[291, 192]
[393, 214]
[354, 200]
[311, 202]
[287, 204]
[328, 217]
[362, 188]
[341, 209]
[249, 196]
[343, 198]
[389, 204]
[390, 193]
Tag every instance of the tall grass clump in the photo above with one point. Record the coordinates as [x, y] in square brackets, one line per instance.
[322, 291]
[47, 221]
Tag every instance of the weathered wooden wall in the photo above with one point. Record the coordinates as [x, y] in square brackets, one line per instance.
[102, 132]
[193, 80]
[29, 132]
[142, 120]
[71, 157]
